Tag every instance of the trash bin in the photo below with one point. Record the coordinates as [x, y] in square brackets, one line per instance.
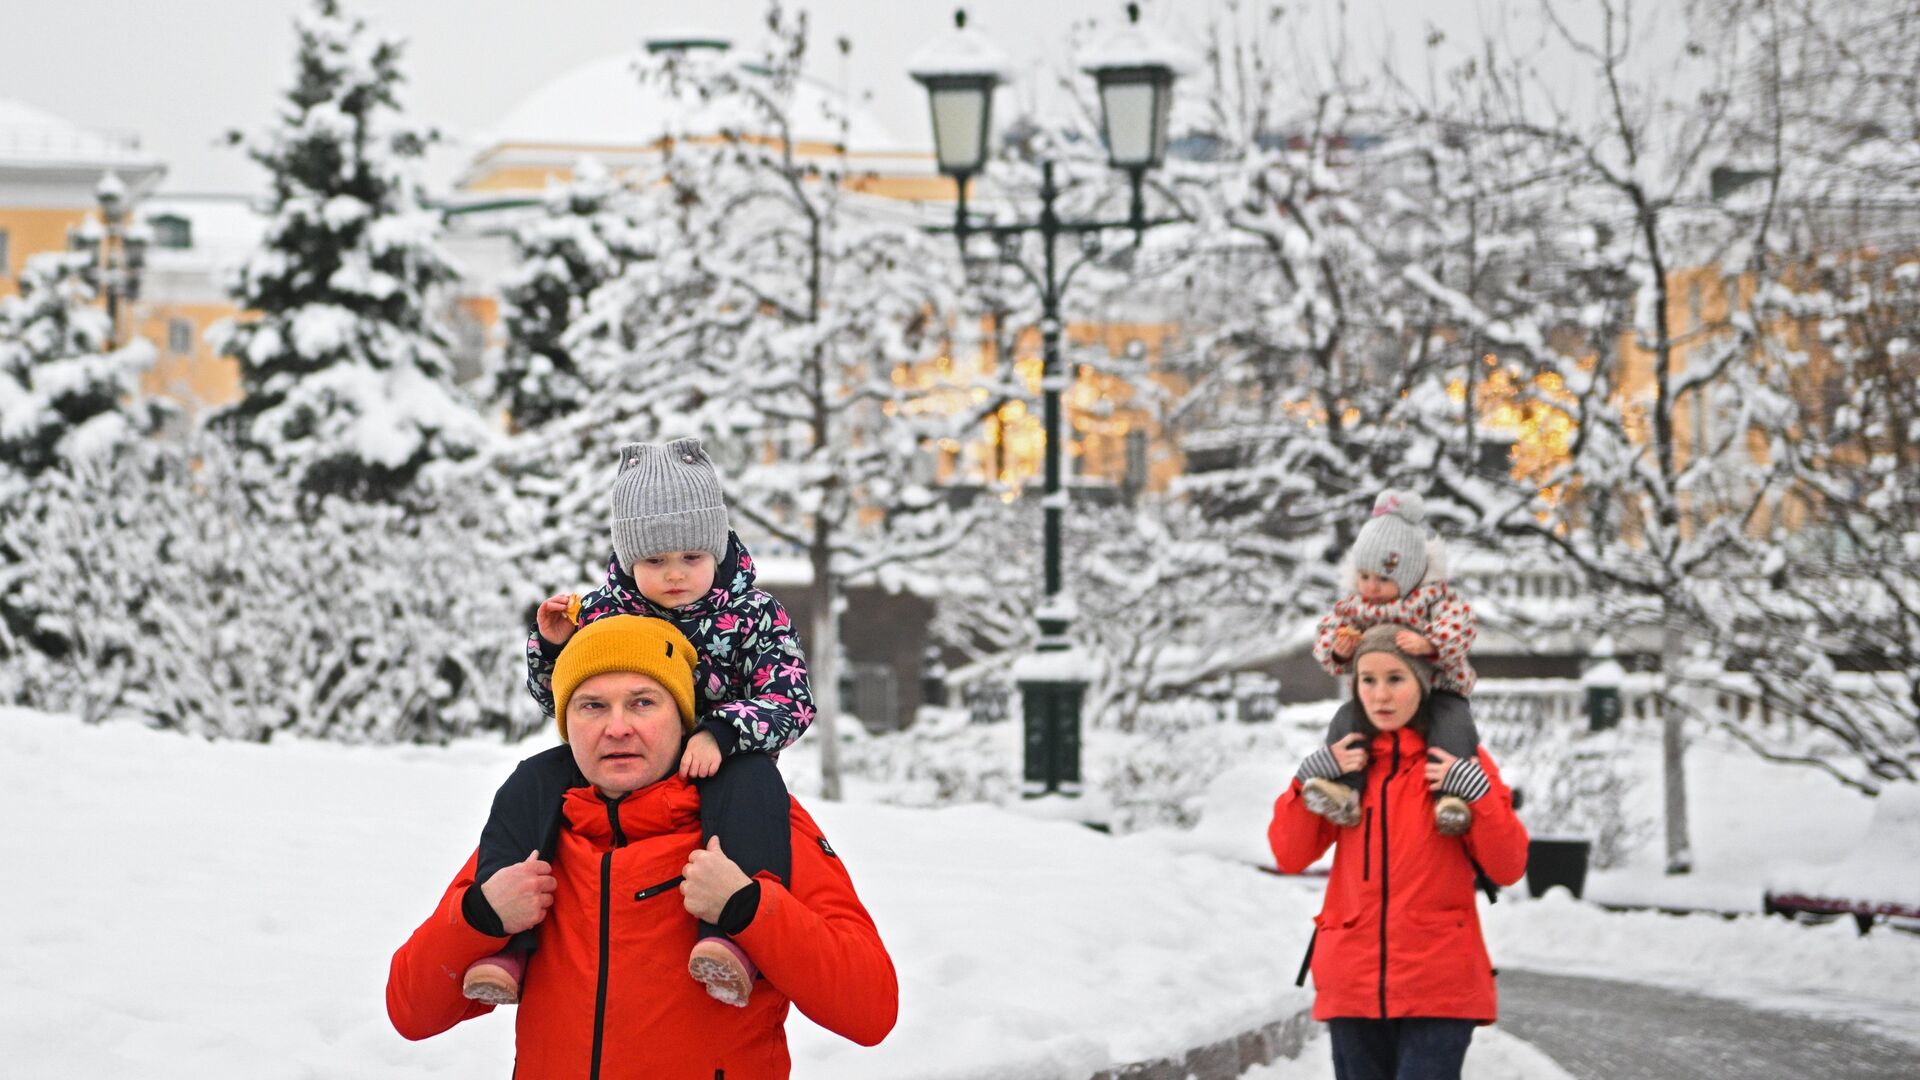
[1553, 862]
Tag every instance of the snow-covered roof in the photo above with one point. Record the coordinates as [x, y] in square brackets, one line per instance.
[224, 227]
[31, 136]
[604, 104]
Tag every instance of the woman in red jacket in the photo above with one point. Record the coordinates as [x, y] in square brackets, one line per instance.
[1400, 971]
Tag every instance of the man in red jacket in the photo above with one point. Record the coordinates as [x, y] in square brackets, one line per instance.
[606, 996]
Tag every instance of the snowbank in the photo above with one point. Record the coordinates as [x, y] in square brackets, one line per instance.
[1753, 822]
[229, 909]
[1883, 867]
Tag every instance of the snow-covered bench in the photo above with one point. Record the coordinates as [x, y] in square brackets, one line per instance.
[1879, 879]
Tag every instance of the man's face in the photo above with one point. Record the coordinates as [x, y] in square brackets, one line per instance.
[625, 731]
[674, 579]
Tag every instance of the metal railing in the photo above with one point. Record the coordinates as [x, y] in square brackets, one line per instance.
[45, 141]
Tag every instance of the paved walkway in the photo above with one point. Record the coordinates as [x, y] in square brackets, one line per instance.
[1598, 1028]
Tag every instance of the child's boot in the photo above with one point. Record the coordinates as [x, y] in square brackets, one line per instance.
[1332, 800]
[495, 979]
[1452, 815]
[723, 968]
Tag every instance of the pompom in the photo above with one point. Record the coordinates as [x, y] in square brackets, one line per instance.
[1408, 506]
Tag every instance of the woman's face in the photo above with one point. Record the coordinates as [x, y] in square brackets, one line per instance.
[1387, 690]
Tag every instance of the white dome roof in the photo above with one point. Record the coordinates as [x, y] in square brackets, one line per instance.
[604, 103]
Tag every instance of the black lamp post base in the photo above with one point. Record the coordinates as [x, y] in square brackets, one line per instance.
[1051, 711]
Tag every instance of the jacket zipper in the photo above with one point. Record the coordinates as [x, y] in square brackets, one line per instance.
[1393, 770]
[606, 913]
[655, 890]
[1366, 848]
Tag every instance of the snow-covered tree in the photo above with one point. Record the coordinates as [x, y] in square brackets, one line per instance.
[582, 239]
[64, 393]
[1319, 364]
[67, 402]
[1828, 166]
[1648, 361]
[778, 321]
[347, 384]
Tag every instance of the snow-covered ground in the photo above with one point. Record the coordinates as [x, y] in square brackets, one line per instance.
[1495, 1055]
[193, 909]
[1755, 824]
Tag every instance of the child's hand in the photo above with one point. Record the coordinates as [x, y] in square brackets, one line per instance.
[701, 759]
[1345, 640]
[1438, 761]
[1414, 644]
[552, 618]
[1350, 753]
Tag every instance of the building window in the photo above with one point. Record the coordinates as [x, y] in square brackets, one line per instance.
[171, 231]
[180, 336]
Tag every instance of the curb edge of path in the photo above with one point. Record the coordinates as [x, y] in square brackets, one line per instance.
[1226, 1058]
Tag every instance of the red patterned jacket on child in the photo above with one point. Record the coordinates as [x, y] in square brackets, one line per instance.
[1432, 608]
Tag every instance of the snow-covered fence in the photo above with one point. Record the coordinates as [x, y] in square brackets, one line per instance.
[1537, 729]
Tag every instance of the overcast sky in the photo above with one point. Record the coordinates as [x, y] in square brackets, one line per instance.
[179, 73]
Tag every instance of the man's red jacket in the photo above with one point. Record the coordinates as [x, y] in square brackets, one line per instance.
[607, 995]
[1399, 935]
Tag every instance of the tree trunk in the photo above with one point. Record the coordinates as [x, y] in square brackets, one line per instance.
[823, 663]
[1673, 749]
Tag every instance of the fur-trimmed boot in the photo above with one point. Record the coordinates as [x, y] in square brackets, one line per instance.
[723, 968]
[1332, 800]
[495, 979]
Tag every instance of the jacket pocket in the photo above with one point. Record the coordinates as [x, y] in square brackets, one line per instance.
[652, 891]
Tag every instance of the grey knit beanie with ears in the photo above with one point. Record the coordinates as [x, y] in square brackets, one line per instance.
[667, 498]
[1393, 544]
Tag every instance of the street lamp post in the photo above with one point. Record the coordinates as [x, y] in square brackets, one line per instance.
[116, 252]
[1135, 78]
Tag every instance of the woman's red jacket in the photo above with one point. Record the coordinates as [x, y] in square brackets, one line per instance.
[607, 995]
[1399, 934]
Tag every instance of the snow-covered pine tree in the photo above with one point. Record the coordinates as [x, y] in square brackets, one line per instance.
[589, 232]
[582, 239]
[63, 392]
[347, 385]
[67, 403]
[774, 324]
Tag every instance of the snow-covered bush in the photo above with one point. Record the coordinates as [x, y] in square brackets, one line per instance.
[943, 759]
[1572, 785]
[175, 587]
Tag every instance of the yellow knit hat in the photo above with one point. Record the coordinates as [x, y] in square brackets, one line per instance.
[639, 643]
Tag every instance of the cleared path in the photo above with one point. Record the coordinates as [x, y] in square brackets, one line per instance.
[1599, 1028]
